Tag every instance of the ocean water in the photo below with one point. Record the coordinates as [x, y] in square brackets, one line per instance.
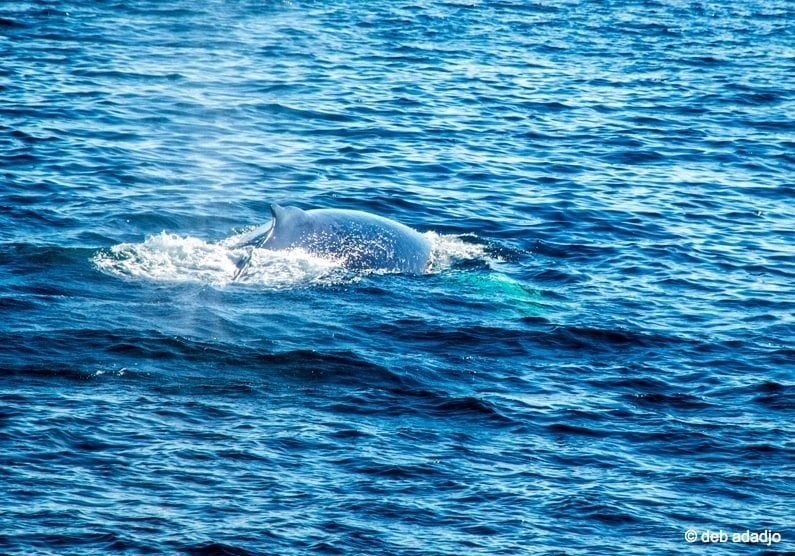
[599, 360]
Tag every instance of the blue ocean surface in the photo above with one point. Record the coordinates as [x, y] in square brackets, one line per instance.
[600, 358]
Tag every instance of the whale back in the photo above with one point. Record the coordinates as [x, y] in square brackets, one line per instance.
[359, 240]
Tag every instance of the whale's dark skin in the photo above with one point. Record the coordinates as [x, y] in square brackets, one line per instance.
[359, 240]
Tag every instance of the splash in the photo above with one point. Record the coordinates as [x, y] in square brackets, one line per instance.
[171, 258]
[168, 257]
[446, 250]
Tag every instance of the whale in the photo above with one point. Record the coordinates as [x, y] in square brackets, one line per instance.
[358, 240]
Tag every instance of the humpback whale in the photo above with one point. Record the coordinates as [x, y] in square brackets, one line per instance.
[358, 240]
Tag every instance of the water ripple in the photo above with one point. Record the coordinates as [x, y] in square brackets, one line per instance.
[599, 359]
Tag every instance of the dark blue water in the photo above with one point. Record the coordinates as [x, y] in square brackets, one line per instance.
[600, 358]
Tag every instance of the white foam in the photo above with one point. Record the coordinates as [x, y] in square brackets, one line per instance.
[167, 257]
[449, 249]
[171, 258]
[292, 267]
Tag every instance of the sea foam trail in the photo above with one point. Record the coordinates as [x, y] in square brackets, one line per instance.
[167, 257]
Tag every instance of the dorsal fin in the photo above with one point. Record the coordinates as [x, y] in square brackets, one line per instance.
[285, 217]
[277, 211]
[281, 217]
